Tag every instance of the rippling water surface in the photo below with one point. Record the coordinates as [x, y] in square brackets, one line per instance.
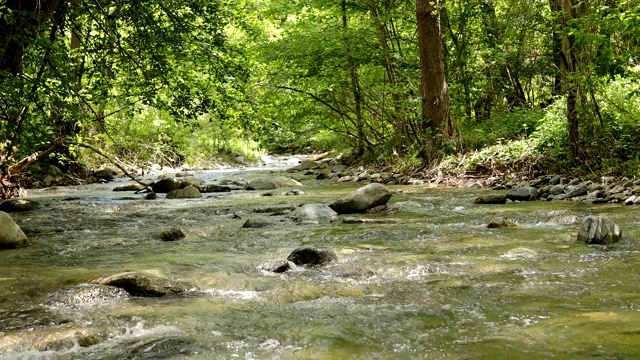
[434, 284]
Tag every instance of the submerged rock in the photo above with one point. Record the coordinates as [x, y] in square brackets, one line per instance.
[310, 256]
[11, 236]
[173, 234]
[189, 192]
[255, 223]
[52, 338]
[599, 230]
[366, 197]
[313, 212]
[501, 223]
[86, 294]
[491, 199]
[18, 205]
[144, 284]
[276, 266]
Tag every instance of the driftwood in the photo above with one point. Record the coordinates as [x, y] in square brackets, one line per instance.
[35, 157]
[114, 162]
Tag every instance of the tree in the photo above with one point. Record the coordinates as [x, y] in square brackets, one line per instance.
[436, 122]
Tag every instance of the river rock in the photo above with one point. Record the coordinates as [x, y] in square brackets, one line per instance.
[50, 339]
[579, 190]
[166, 185]
[599, 230]
[307, 165]
[262, 184]
[151, 196]
[366, 197]
[172, 234]
[310, 256]
[276, 266]
[86, 294]
[557, 189]
[499, 222]
[144, 284]
[213, 188]
[526, 193]
[191, 180]
[132, 186]
[106, 173]
[11, 236]
[282, 181]
[18, 205]
[190, 192]
[256, 223]
[491, 199]
[313, 212]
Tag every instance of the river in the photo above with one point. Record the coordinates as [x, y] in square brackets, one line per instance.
[430, 282]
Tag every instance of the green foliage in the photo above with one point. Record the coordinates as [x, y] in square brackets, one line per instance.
[500, 128]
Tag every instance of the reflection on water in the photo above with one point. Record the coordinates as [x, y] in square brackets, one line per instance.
[435, 284]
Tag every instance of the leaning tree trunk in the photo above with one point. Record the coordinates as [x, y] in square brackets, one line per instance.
[570, 60]
[434, 91]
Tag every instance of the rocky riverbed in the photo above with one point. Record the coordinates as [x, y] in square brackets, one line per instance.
[287, 264]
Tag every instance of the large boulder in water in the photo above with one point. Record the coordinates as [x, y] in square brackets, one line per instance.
[525, 193]
[191, 180]
[313, 212]
[11, 236]
[166, 185]
[366, 197]
[262, 184]
[310, 256]
[599, 230]
[18, 205]
[144, 284]
[190, 192]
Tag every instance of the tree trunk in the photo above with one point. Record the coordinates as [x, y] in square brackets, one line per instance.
[570, 60]
[355, 85]
[556, 8]
[433, 86]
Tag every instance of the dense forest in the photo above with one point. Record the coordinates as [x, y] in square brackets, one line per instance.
[473, 85]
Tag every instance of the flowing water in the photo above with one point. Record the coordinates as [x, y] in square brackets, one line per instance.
[430, 281]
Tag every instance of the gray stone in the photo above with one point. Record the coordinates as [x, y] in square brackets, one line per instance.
[631, 200]
[313, 212]
[172, 234]
[191, 180]
[310, 256]
[144, 284]
[132, 186]
[212, 188]
[48, 180]
[11, 236]
[579, 190]
[366, 197]
[491, 199]
[151, 196]
[255, 223]
[527, 193]
[338, 168]
[557, 189]
[555, 180]
[475, 185]
[18, 205]
[307, 165]
[282, 181]
[262, 184]
[599, 230]
[166, 185]
[190, 192]
[106, 173]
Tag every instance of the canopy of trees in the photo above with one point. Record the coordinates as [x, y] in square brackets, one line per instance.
[175, 81]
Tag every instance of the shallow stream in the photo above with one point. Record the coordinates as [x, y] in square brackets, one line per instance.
[431, 281]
